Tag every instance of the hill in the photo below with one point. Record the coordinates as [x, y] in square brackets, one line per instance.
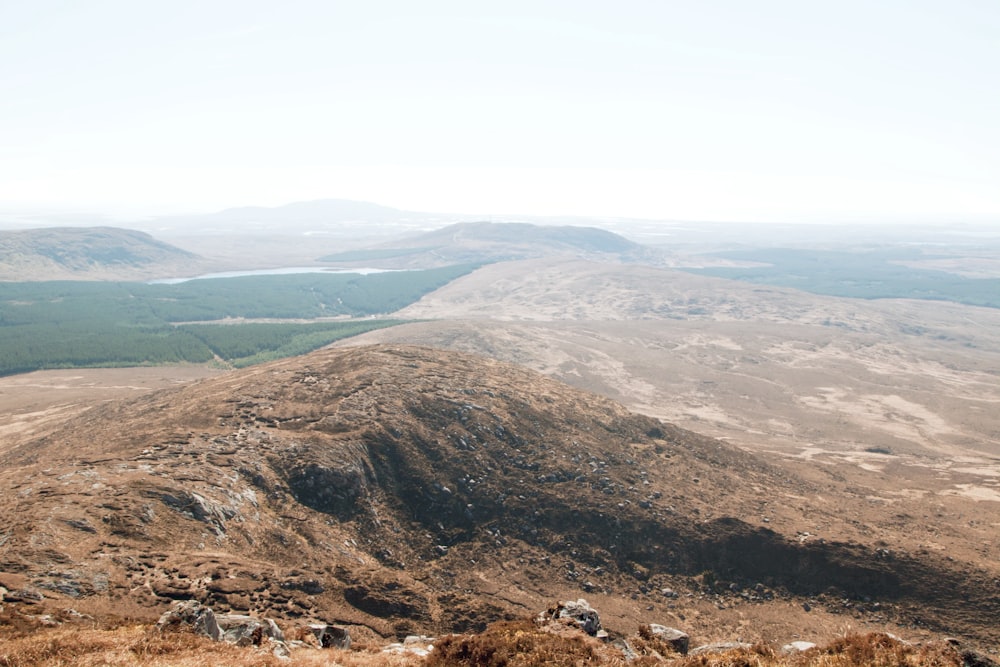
[400, 490]
[466, 242]
[770, 367]
[89, 253]
[291, 217]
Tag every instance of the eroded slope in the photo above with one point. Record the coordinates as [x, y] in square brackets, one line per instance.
[402, 489]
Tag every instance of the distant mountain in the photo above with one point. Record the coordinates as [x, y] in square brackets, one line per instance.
[589, 239]
[494, 241]
[401, 490]
[319, 211]
[324, 216]
[88, 253]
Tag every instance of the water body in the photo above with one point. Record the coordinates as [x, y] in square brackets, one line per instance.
[269, 272]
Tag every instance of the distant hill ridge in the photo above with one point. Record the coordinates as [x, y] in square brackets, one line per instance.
[86, 253]
[495, 241]
[584, 238]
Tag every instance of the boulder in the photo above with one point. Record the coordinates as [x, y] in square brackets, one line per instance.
[247, 630]
[677, 640]
[797, 647]
[580, 613]
[419, 645]
[331, 636]
[193, 615]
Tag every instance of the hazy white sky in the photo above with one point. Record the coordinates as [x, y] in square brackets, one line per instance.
[768, 110]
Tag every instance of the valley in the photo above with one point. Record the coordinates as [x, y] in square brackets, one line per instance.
[855, 477]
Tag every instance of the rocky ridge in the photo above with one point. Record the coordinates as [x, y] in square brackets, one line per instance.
[396, 491]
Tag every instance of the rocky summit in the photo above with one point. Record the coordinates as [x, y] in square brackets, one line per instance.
[398, 491]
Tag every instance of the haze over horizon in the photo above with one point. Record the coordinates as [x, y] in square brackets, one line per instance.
[775, 111]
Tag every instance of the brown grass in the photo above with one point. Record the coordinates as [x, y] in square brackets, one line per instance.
[143, 646]
[858, 650]
[521, 643]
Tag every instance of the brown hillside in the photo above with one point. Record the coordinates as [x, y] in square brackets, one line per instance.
[89, 253]
[400, 489]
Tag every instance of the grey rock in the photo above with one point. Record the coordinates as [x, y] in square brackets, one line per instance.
[580, 613]
[672, 637]
[191, 614]
[797, 647]
[247, 630]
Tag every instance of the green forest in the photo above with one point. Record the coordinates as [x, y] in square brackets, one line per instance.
[877, 274]
[67, 324]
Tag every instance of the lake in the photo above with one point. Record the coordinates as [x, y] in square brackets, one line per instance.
[268, 272]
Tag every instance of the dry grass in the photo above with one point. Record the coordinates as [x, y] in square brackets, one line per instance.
[127, 645]
[864, 650]
[520, 644]
[523, 644]
[504, 644]
[138, 645]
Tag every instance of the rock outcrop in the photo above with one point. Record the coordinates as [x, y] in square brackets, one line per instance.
[190, 615]
[676, 640]
[579, 612]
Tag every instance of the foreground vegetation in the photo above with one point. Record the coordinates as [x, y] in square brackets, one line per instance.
[877, 274]
[28, 642]
[67, 324]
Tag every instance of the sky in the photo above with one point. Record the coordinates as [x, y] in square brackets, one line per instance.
[723, 110]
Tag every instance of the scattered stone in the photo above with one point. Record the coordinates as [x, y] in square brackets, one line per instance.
[190, 614]
[677, 640]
